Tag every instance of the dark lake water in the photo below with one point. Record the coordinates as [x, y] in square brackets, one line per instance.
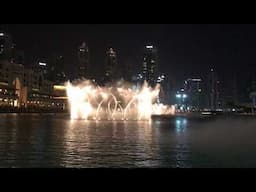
[48, 140]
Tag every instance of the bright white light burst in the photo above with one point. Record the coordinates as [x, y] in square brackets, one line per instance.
[114, 103]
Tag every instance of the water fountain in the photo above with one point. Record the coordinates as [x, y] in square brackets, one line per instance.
[89, 101]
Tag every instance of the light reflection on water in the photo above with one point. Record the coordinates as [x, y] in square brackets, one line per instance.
[33, 140]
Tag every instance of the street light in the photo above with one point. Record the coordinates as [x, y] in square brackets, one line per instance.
[181, 97]
[184, 96]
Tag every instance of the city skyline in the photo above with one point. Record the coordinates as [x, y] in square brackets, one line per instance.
[127, 96]
[184, 50]
[90, 62]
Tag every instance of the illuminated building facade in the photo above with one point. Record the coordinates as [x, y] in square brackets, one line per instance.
[83, 61]
[25, 88]
[150, 65]
[22, 88]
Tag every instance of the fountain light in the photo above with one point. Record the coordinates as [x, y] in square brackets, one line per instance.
[114, 103]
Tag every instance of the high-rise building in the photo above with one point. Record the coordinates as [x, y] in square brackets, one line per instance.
[41, 67]
[150, 65]
[214, 90]
[6, 46]
[192, 87]
[56, 69]
[111, 66]
[251, 89]
[83, 61]
[18, 56]
[21, 87]
[127, 72]
[8, 50]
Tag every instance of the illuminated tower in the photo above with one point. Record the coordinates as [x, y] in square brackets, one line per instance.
[6, 46]
[111, 66]
[214, 90]
[150, 66]
[83, 61]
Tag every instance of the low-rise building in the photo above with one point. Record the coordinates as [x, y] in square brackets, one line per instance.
[27, 89]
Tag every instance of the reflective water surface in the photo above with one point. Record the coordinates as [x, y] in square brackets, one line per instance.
[48, 140]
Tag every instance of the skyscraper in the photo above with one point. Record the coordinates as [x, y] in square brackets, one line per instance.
[192, 87]
[56, 69]
[42, 67]
[8, 50]
[83, 61]
[214, 90]
[150, 65]
[6, 46]
[126, 72]
[111, 66]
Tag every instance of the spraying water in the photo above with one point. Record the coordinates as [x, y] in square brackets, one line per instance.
[88, 101]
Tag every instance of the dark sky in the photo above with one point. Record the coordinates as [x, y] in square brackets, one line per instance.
[185, 50]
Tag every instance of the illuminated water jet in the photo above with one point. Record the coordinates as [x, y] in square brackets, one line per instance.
[88, 101]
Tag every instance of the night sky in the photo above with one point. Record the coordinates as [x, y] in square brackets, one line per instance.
[185, 50]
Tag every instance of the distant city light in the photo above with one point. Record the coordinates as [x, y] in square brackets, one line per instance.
[42, 64]
[184, 96]
[1, 34]
[149, 47]
[178, 95]
[196, 79]
[59, 87]
[178, 122]
[15, 103]
[139, 76]
[3, 83]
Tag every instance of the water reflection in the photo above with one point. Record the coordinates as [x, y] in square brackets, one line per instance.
[180, 126]
[182, 148]
[56, 141]
[31, 141]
